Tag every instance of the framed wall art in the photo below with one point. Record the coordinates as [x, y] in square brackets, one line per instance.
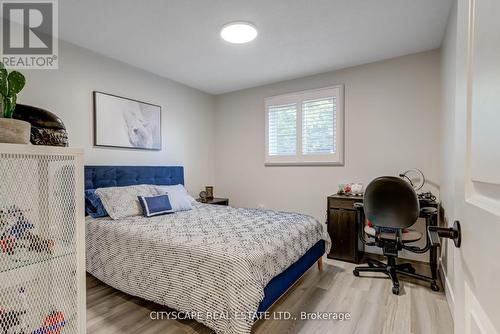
[126, 123]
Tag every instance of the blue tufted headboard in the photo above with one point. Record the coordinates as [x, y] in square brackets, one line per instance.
[117, 176]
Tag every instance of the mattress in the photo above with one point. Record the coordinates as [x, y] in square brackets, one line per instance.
[212, 261]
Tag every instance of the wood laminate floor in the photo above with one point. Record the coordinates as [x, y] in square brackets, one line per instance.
[372, 306]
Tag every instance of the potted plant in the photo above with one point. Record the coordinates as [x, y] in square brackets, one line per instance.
[11, 130]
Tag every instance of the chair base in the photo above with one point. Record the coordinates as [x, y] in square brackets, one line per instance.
[392, 270]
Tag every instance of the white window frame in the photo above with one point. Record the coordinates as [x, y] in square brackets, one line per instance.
[299, 159]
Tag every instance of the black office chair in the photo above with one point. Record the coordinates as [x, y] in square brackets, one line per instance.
[392, 206]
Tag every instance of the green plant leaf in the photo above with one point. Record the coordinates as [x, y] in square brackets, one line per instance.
[13, 103]
[7, 107]
[16, 82]
[12, 106]
[4, 88]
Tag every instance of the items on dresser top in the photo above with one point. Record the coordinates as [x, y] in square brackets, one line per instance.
[207, 194]
[426, 196]
[202, 196]
[210, 192]
[351, 189]
[416, 178]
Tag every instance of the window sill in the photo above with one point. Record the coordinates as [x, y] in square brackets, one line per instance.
[303, 163]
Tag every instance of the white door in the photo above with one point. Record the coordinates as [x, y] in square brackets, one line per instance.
[476, 265]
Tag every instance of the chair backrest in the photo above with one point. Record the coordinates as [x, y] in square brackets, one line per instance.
[391, 202]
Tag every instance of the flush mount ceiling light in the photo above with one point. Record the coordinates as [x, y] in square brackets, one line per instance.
[238, 32]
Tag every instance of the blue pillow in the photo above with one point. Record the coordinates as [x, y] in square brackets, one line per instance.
[155, 205]
[93, 205]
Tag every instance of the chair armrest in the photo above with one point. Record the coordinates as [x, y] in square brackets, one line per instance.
[429, 213]
[358, 206]
[360, 219]
[433, 237]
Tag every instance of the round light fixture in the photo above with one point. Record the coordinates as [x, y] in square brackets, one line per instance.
[238, 32]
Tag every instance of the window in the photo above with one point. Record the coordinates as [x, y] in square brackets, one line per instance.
[305, 128]
[282, 129]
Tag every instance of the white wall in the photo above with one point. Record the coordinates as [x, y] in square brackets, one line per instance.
[187, 114]
[392, 123]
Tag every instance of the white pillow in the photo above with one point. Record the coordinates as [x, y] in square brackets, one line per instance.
[121, 202]
[178, 196]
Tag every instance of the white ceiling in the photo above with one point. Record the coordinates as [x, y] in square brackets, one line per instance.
[179, 39]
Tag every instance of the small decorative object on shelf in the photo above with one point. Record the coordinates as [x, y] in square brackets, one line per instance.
[12, 131]
[46, 128]
[42, 266]
[351, 189]
[427, 196]
[357, 189]
[210, 192]
[203, 196]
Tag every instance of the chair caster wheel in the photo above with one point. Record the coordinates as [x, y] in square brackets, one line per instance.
[434, 286]
[395, 290]
[355, 273]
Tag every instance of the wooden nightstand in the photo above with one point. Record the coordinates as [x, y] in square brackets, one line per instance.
[215, 200]
[342, 228]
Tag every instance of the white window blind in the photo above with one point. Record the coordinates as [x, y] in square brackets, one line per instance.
[283, 129]
[305, 128]
[318, 126]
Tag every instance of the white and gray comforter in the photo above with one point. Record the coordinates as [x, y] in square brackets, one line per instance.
[209, 259]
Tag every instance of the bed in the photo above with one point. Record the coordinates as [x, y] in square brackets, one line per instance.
[222, 265]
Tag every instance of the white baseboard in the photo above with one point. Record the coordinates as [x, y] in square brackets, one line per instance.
[448, 290]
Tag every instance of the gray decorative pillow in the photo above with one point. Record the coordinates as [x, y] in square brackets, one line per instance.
[178, 188]
[121, 202]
